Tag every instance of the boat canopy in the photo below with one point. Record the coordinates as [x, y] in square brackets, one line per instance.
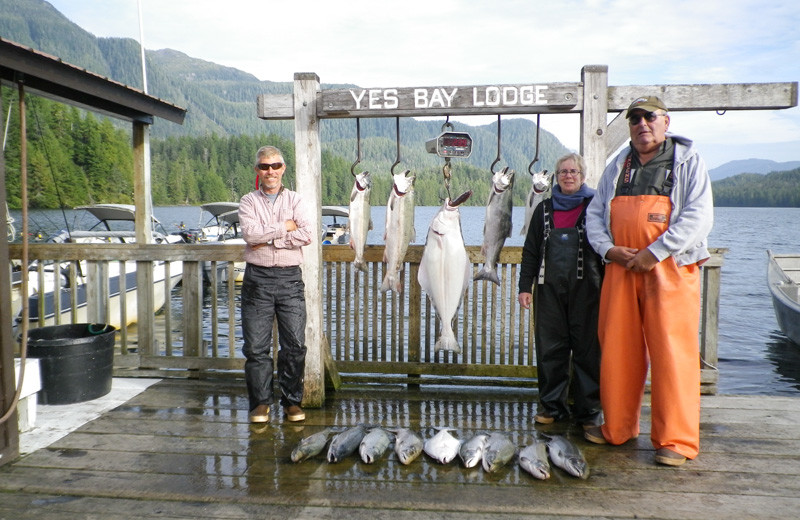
[104, 212]
[218, 208]
[335, 211]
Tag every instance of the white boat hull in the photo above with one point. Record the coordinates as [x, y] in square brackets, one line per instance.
[114, 303]
[783, 278]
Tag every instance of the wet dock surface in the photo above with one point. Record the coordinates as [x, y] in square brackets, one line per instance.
[184, 449]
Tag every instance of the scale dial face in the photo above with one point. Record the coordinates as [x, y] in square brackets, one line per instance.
[451, 144]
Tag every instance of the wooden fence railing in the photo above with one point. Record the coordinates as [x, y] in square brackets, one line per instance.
[373, 336]
[390, 337]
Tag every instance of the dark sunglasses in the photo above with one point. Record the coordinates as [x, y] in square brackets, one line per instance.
[648, 116]
[269, 166]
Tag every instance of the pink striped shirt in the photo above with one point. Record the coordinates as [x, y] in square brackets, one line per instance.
[264, 222]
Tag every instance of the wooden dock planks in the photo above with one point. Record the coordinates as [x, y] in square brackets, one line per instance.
[184, 449]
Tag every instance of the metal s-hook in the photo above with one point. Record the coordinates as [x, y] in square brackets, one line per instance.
[447, 125]
[397, 161]
[446, 169]
[358, 147]
[491, 168]
[536, 154]
[446, 174]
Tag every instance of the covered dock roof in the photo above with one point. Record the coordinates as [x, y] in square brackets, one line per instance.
[50, 77]
[55, 79]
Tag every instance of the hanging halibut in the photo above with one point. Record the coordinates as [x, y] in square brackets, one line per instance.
[399, 229]
[444, 270]
[497, 224]
[360, 221]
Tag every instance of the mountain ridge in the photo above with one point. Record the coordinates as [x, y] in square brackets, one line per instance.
[221, 100]
[752, 165]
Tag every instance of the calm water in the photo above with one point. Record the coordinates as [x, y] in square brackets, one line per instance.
[755, 358]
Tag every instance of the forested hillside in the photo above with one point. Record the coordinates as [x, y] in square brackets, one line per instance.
[76, 158]
[777, 189]
[209, 157]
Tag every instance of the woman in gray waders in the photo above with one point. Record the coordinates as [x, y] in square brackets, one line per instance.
[562, 273]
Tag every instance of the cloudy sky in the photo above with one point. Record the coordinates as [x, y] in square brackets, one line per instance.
[415, 43]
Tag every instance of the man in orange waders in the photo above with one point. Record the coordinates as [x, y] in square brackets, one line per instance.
[650, 222]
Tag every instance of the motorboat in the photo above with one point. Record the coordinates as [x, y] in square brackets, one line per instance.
[114, 225]
[223, 223]
[334, 231]
[783, 278]
[221, 227]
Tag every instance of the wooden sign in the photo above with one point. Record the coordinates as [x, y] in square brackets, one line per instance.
[435, 101]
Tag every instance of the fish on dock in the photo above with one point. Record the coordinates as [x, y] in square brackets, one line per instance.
[346, 443]
[471, 451]
[407, 445]
[498, 451]
[566, 455]
[359, 220]
[533, 459]
[444, 269]
[442, 447]
[497, 224]
[311, 446]
[541, 184]
[399, 229]
[374, 445]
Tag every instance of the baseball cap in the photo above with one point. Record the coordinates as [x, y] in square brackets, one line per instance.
[646, 103]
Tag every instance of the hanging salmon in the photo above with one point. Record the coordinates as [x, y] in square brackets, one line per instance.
[399, 229]
[360, 220]
[539, 192]
[497, 224]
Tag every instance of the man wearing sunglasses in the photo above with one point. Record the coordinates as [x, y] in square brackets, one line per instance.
[275, 226]
[650, 221]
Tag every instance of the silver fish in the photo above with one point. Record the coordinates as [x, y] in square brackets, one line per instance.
[399, 229]
[360, 221]
[539, 192]
[310, 446]
[567, 456]
[442, 447]
[498, 451]
[444, 269]
[533, 459]
[471, 452]
[497, 224]
[345, 443]
[374, 445]
[407, 445]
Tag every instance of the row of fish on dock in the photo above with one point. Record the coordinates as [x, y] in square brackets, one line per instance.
[444, 271]
[492, 451]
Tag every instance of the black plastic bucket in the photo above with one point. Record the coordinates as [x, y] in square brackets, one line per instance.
[75, 361]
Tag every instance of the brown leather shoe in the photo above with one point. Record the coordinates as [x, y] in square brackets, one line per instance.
[294, 413]
[594, 434]
[260, 414]
[668, 457]
[544, 418]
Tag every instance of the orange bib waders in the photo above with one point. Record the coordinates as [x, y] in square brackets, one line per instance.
[649, 318]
